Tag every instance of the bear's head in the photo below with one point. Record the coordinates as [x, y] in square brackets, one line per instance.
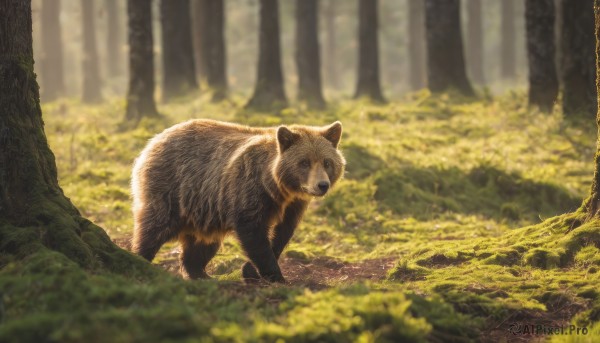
[309, 162]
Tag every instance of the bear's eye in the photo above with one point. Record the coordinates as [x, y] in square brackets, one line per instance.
[327, 163]
[305, 163]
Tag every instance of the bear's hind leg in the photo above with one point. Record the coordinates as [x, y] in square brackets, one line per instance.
[150, 233]
[195, 256]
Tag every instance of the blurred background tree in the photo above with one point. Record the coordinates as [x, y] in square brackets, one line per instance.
[51, 59]
[368, 84]
[577, 58]
[474, 41]
[445, 53]
[92, 87]
[308, 55]
[508, 41]
[114, 39]
[269, 89]
[272, 63]
[179, 75]
[140, 96]
[416, 44]
[541, 53]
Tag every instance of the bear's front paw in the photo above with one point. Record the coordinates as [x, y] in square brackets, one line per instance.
[249, 273]
[275, 278]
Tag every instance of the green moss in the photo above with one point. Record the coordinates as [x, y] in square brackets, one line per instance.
[437, 259]
[330, 317]
[405, 272]
[441, 186]
[427, 192]
[360, 161]
[504, 257]
[542, 258]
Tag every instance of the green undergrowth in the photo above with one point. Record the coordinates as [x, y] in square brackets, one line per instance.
[476, 202]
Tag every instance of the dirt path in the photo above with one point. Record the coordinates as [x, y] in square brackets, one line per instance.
[316, 274]
[324, 272]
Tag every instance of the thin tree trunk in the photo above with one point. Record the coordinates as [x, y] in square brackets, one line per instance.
[92, 92]
[269, 92]
[578, 57]
[543, 81]
[368, 83]
[53, 84]
[592, 204]
[34, 213]
[508, 49]
[416, 44]
[213, 48]
[445, 57]
[179, 75]
[140, 97]
[475, 41]
[331, 44]
[308, 59]
[198, 14]
[113, 39]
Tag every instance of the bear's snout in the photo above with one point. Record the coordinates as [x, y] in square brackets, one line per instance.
[323, 186]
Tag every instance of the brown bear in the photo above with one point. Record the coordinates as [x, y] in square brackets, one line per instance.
[202, 179]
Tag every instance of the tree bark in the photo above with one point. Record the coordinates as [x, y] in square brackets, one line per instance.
[34, 213]
[198, 14]
[140, 97]
[578, 58]
[269, 91]
[213, 47]
[592, 204]
[179, 75]
[368, 83]
[416, 44]
[445, 57]
[331, 45]
[53, 84]
[475, 41]
[92, 92]
[308, 59]
[543, 81]
[113, 39]
[508, 50]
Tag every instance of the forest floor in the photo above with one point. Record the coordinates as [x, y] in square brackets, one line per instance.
[455, 222]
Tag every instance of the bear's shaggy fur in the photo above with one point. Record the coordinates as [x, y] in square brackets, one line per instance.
[201, 179]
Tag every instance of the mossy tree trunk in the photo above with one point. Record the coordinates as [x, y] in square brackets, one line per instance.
[592, 204]
[416, 44]
[92, 91]
[578, 58]
[308, 60]
[269, 91]
[508, 49]
[213, 47]
[541, 53]
[368, 83]
[113, 39]
[475, 41]
[179, 75]
[140, 96]
[53, 84]
[445, 56]
[34, 213]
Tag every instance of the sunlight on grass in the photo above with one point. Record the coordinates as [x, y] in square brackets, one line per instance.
[454, 192]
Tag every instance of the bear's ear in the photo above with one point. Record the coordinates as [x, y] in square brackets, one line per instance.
[285, 138]
[333, 133]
